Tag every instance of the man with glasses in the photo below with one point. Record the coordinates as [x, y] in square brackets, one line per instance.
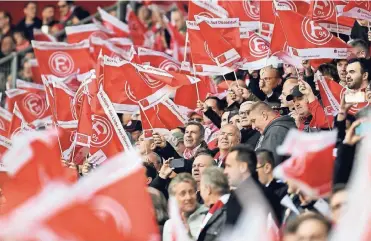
[270, 84]
[248, 135]
[264, 168]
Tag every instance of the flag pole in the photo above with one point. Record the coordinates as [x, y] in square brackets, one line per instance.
[337, 25]
[185, 48]
[225, 81]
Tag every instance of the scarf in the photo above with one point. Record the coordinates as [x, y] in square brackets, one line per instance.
[220, 160]
[189, 153]
[218, 205]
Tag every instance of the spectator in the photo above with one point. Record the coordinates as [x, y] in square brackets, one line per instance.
[312, 227]
[215, 193]
[183, 188]
[48, 14]
[270, 81]
[20, 40]
[240, 169]
[196, 116]
[368, 93]
[202, 160]
[178, 21]
[341, 65]
[6, 26]
[357, 74]
[30, 22]
[144, 145]
[360, 30]
[134, 127]
[144, 15]
[308, 109]
[151, 172]
[26, 73]
[212, 109]
[7, 45]
[225, 118]
[252, 81]
[229, 136]
[70, 13]
[235, 120]
[154, 159]
[289, 84]
[272, 127]
[338, 200]
[265, 166]
[289, 232]
[360, 48]
[193, 139]
[159, 204]
[248, 135]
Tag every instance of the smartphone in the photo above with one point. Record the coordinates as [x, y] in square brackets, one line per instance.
[363, 128]
[177, 163]
[355, 97]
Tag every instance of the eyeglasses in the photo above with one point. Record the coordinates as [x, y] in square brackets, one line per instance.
[260, 166]
[267, 78]
[196, 119]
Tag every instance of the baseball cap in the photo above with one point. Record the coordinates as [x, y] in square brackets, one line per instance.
[175, 138]
[295, 93]
[133, 125]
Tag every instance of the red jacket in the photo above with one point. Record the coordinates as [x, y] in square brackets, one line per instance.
[319, 118]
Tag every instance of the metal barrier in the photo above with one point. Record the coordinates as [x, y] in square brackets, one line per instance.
[9, 65]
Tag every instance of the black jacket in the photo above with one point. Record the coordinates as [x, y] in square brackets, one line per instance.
[278, 188]
[274, 134]
[249, 136]
[234, 204]
[214, 226]
[343, 163]
[213, 117]
[28, 29]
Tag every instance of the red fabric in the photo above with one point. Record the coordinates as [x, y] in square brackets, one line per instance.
[202, 8]
[244, 10]
[319, 118]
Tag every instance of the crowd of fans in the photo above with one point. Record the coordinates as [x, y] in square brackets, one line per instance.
[209, 180]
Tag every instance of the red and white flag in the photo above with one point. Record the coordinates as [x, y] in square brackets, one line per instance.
[62, 59]
[78, 33]
[109, 48]
[108, 136]
[308, 40]
[311, 163]
[326, 14]
[31, 163]
[5, 118]
[268, 12]
[63, 102]
[36, 75]
[39, 35]
[247, 11]
[355, 220]
[120, 28]
[357, 10]
[222, 37]
[206, 9]
[177, 43]
[204, 62]
[158, 59]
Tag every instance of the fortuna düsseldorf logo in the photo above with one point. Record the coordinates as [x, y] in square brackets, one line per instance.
[169, 66]
[34, 104]
[252, 8]
[61, 64]
[323, 10]
[102, 131]
[314, 33]
[258, 47]
[206, 46]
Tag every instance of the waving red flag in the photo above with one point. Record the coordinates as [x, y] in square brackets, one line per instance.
[36, 75]
[120, 28]
[206, 9]
[76, 34]
[63, 99]
[326, 14]
[62, 59]
[32, 162]
[203, 61]
[39, 35]
[158, 59]
[357, 9]
[5, 118]
[247, 11]
[256, 52]
[108, 137]
[308, 40]
[225, 51]
[311, 163]
[110, 49]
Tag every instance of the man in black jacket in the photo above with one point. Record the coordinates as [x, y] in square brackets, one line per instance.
[272, 127]
[240, 170]
[248, 135]
[30, 22]
[215, 193]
